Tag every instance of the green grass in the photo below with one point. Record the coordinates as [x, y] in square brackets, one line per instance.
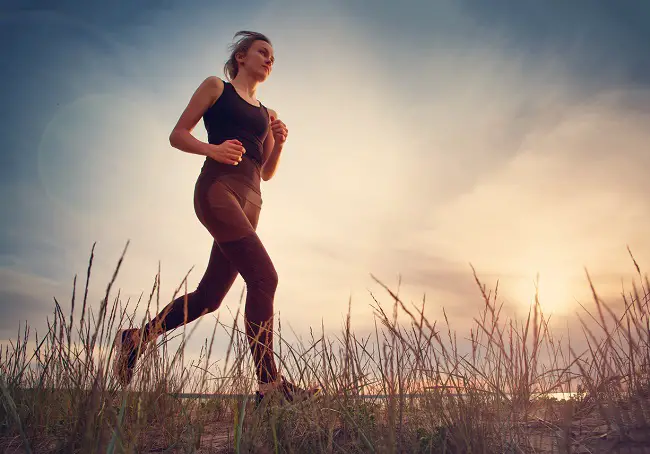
[413, 385]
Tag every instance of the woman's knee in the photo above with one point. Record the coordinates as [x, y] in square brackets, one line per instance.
[206, 300]
[273, 277]
[265, 278]
[253, 263]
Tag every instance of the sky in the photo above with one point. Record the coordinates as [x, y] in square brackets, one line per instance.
[426, 138]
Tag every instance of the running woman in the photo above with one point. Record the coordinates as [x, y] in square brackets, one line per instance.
[245, 141]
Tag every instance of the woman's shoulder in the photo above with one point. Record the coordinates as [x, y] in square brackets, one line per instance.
[211, 88]
[213, 83]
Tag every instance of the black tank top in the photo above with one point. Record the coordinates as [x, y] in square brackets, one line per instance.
[232, 117]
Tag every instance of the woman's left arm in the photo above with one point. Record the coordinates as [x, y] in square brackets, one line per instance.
[273, 145]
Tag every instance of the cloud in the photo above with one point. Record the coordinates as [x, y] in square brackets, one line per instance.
[26, 297]
[573, 196]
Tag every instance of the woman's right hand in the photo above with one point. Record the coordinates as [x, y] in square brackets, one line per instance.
[228, 152]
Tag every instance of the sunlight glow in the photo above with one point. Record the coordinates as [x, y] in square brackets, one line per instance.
[553, 288]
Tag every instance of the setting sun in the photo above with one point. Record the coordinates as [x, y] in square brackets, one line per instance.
[555, 290]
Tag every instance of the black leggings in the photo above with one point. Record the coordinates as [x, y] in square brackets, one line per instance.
[230, 209]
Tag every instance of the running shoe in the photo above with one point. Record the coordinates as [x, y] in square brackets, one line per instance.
[126, 354]
[288, 391]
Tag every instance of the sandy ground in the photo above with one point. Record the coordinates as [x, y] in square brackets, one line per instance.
[584, 438]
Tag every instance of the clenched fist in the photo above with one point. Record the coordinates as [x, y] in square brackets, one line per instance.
[279, 130]
[228, 152]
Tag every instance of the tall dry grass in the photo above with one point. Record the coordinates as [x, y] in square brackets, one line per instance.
[411, 386]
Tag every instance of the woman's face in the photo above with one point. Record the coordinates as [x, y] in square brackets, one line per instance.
[259, 60]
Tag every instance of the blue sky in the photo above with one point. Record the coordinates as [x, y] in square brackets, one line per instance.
[424, 136]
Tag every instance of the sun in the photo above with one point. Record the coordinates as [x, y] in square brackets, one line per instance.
[555, 289]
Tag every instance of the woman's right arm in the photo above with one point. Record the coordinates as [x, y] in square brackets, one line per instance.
[205, 96]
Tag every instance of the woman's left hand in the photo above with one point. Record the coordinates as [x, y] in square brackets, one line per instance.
[279, 130]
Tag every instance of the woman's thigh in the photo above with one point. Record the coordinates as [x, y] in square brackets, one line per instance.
[225, 211]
